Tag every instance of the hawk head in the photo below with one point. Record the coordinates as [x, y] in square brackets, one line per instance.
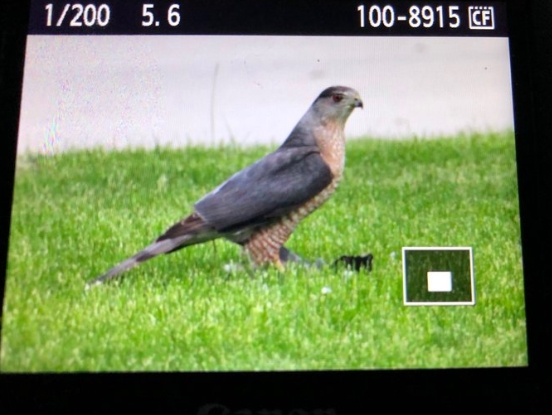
[336, 103]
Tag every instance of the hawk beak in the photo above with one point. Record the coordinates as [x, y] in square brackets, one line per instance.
[358, 103]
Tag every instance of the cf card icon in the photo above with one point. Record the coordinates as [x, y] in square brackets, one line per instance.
[481, 17]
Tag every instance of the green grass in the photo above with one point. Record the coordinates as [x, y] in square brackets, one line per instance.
[77, 214]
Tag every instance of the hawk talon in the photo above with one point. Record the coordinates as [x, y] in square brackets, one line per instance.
[289, 256]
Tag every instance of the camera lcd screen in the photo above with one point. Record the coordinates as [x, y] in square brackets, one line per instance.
[385, 233]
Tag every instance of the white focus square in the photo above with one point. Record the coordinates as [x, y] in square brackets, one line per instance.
[439, 281]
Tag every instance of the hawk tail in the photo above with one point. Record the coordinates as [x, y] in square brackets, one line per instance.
[189, 231]
[151, 251]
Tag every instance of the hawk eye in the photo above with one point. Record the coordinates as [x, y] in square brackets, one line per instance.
[337, 97]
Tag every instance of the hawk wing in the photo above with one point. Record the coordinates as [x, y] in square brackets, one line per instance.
[270, 188]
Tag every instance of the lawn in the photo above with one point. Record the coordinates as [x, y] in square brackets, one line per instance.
[77, 214]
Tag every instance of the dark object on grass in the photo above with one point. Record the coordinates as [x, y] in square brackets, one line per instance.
[355, 262]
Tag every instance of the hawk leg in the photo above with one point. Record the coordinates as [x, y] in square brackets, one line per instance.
[265, 245]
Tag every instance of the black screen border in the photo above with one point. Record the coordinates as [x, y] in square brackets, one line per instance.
[340, 391]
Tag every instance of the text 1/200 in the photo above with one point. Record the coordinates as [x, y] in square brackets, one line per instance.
[79, 15]
[426, 16]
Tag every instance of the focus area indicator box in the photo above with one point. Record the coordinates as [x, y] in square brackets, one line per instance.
[438, 276]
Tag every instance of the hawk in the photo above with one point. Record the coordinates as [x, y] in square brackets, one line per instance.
[260, 206]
